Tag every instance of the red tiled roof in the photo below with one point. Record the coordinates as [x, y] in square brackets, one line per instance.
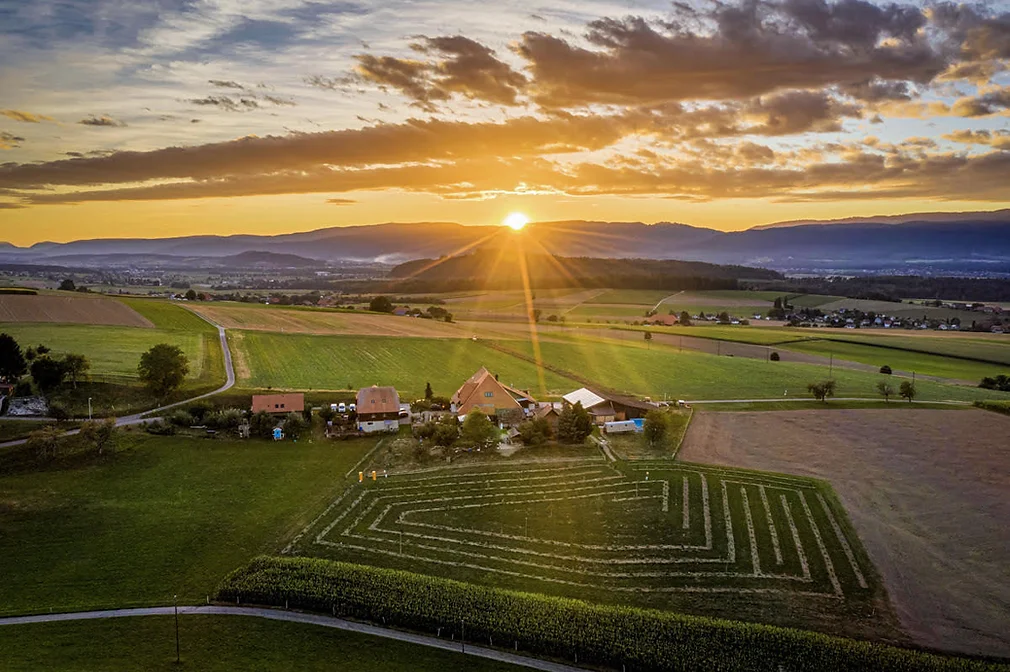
[377, 399]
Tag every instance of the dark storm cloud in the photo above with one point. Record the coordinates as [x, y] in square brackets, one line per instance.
[103, 120]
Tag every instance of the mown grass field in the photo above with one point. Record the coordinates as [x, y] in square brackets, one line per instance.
[163, 516]
[216, 643]
[660, 534]
[660, 371]
[932, 365]
[349, 362]
[114, 352]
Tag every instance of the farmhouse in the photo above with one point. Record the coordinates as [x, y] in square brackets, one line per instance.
[378, 409]
[604, 408]
[278, 404]
[484, 393]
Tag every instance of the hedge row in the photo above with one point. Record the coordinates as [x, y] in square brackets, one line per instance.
[995, 406]
[557, 627]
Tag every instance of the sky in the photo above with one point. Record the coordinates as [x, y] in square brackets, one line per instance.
[179, 117]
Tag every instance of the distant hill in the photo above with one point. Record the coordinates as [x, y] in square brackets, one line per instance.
[930, 243]
[504, 269]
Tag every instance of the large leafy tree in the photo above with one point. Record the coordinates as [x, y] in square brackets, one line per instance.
[12, 360]
[76, 367]
[381, 304]
[163, 368]
[907, 390]
[822, 391]
[655, 426]
[48, 373]
[478, 431]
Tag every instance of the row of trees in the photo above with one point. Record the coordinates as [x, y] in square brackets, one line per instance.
[48, 371]
[822, 390]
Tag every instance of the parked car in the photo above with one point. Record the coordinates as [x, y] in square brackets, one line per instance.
[341, 407]
[352, 408]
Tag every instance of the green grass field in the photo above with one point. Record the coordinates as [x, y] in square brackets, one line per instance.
[332, 362]
[675, 536]
[931, 365]
[114, 352]
[166, 314]
[216, 643]
[163, 516]
[663, 372]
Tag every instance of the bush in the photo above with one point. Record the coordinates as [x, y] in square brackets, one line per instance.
[774, 357]
[535, 432]
[886, 370]
[294, 426]
[181, 418]
[160, 428]
[597, 635]
[262, 425]
[1000, 382]
[200, 410]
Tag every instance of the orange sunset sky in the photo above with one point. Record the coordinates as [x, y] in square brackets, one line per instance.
[270, 116]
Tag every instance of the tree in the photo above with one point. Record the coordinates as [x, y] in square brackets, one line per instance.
[76, 367]
[446, 432]
[12, 360]
[648, 337]
[68, 286]
[163, 368]
[685, 319]
[885, 390]
[294, 425]
[655, 426]
[48, 373]
[886, 370]
[907, 390]
[380, 304]
[822, 391]
[428, 393]
[101, 435]
[774, 357]
[58, 412]
[536, 314]
[723, 317]
[574, 424]
[191, 295]
[262, 425]
[45, 442]
[326, 414]
[535, 432]
[478, 431]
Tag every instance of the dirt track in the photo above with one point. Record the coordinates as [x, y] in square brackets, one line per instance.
[928, 492]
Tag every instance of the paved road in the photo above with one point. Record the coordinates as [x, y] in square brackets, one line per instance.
[137, 418]
[299, 617]
[702, 402]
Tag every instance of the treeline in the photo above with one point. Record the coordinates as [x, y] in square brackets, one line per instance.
[494, 270]
[566, 629]
[898, 287]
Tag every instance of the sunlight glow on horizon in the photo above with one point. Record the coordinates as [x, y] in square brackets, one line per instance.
[516, 221]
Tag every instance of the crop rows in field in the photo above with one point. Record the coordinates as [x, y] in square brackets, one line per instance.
[651, 528]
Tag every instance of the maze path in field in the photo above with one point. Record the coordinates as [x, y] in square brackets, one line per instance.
[651, 527]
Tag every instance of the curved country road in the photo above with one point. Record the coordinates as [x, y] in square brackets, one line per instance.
[300, 617]
[137, 418]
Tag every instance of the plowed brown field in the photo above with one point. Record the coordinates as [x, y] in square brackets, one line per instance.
[69, 310]
[927, 491]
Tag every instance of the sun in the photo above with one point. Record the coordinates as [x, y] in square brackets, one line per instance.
[516, 221]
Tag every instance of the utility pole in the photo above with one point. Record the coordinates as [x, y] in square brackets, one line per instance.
[89, 408]
[175, 600]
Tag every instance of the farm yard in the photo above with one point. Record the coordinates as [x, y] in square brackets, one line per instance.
[927, 496]
[685, 537]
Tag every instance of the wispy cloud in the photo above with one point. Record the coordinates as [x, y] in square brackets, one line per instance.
[103, 120]
[27, 117]
[9, 140]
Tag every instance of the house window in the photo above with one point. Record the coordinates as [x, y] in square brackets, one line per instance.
[489, 394]
[282, 405]
[277, 406]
